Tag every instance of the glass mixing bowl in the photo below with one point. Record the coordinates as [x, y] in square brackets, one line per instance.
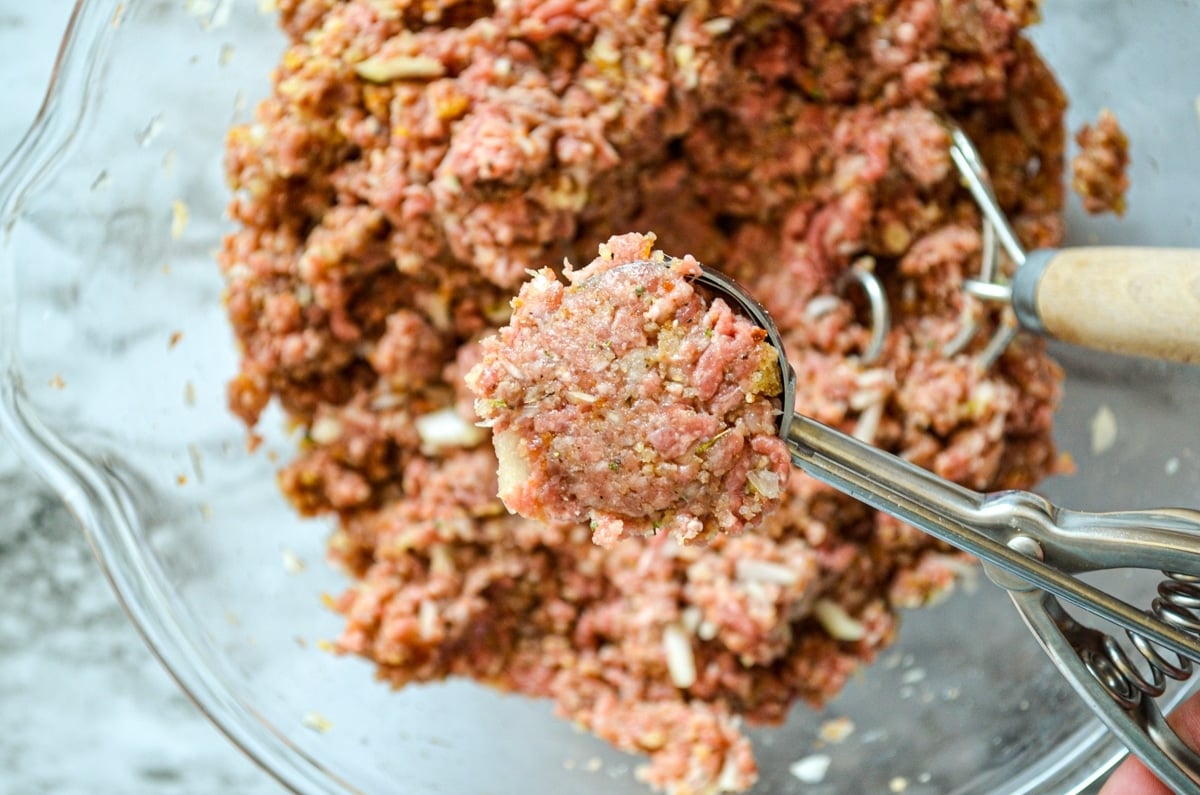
[116, 351]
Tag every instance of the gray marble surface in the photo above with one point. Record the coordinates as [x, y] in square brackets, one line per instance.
[84, 706]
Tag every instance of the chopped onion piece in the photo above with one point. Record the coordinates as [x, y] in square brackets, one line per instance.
[575, 396]
[326, 430]
[870, 379]
[317, 722]
[821, 305]
[811, 769]
[867, 426]
[292, 563]
[446, 428]
[383, 69]
[837, 622]
[513, 469]
[1104, 430]
[836, 730]
[681, 662]
[765, 483]
[764, 571]
[729, 779]
[427, 619]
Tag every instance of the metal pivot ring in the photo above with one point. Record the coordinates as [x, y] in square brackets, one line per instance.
[881, 316]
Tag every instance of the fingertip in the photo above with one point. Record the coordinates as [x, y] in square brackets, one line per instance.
[1133, 778]
[1185, 720]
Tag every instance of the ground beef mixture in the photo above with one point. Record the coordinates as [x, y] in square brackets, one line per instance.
[1098, 171]
[414, 159]
[634, 402]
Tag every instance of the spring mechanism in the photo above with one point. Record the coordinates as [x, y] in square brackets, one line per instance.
[1177, 604]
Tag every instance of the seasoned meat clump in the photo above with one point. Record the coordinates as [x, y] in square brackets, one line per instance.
[629, 399]
[414, 160]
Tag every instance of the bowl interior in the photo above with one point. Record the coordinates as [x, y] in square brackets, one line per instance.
[123, 352]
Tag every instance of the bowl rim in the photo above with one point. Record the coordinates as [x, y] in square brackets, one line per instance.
[95, 493]
[99, 499]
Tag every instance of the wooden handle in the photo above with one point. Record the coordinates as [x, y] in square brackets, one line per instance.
[1141, 301]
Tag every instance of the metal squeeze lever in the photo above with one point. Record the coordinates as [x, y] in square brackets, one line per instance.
[1033, 549]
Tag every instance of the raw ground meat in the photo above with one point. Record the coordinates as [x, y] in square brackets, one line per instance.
[631, 400]
[1098, 171]
[415, 159]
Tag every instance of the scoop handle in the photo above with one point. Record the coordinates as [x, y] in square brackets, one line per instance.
[1140, 301]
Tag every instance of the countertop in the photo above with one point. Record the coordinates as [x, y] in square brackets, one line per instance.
[84, 706]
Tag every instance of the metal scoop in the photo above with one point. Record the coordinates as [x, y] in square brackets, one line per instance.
[1129, 300]
[1034, 550]
[1119, 299]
